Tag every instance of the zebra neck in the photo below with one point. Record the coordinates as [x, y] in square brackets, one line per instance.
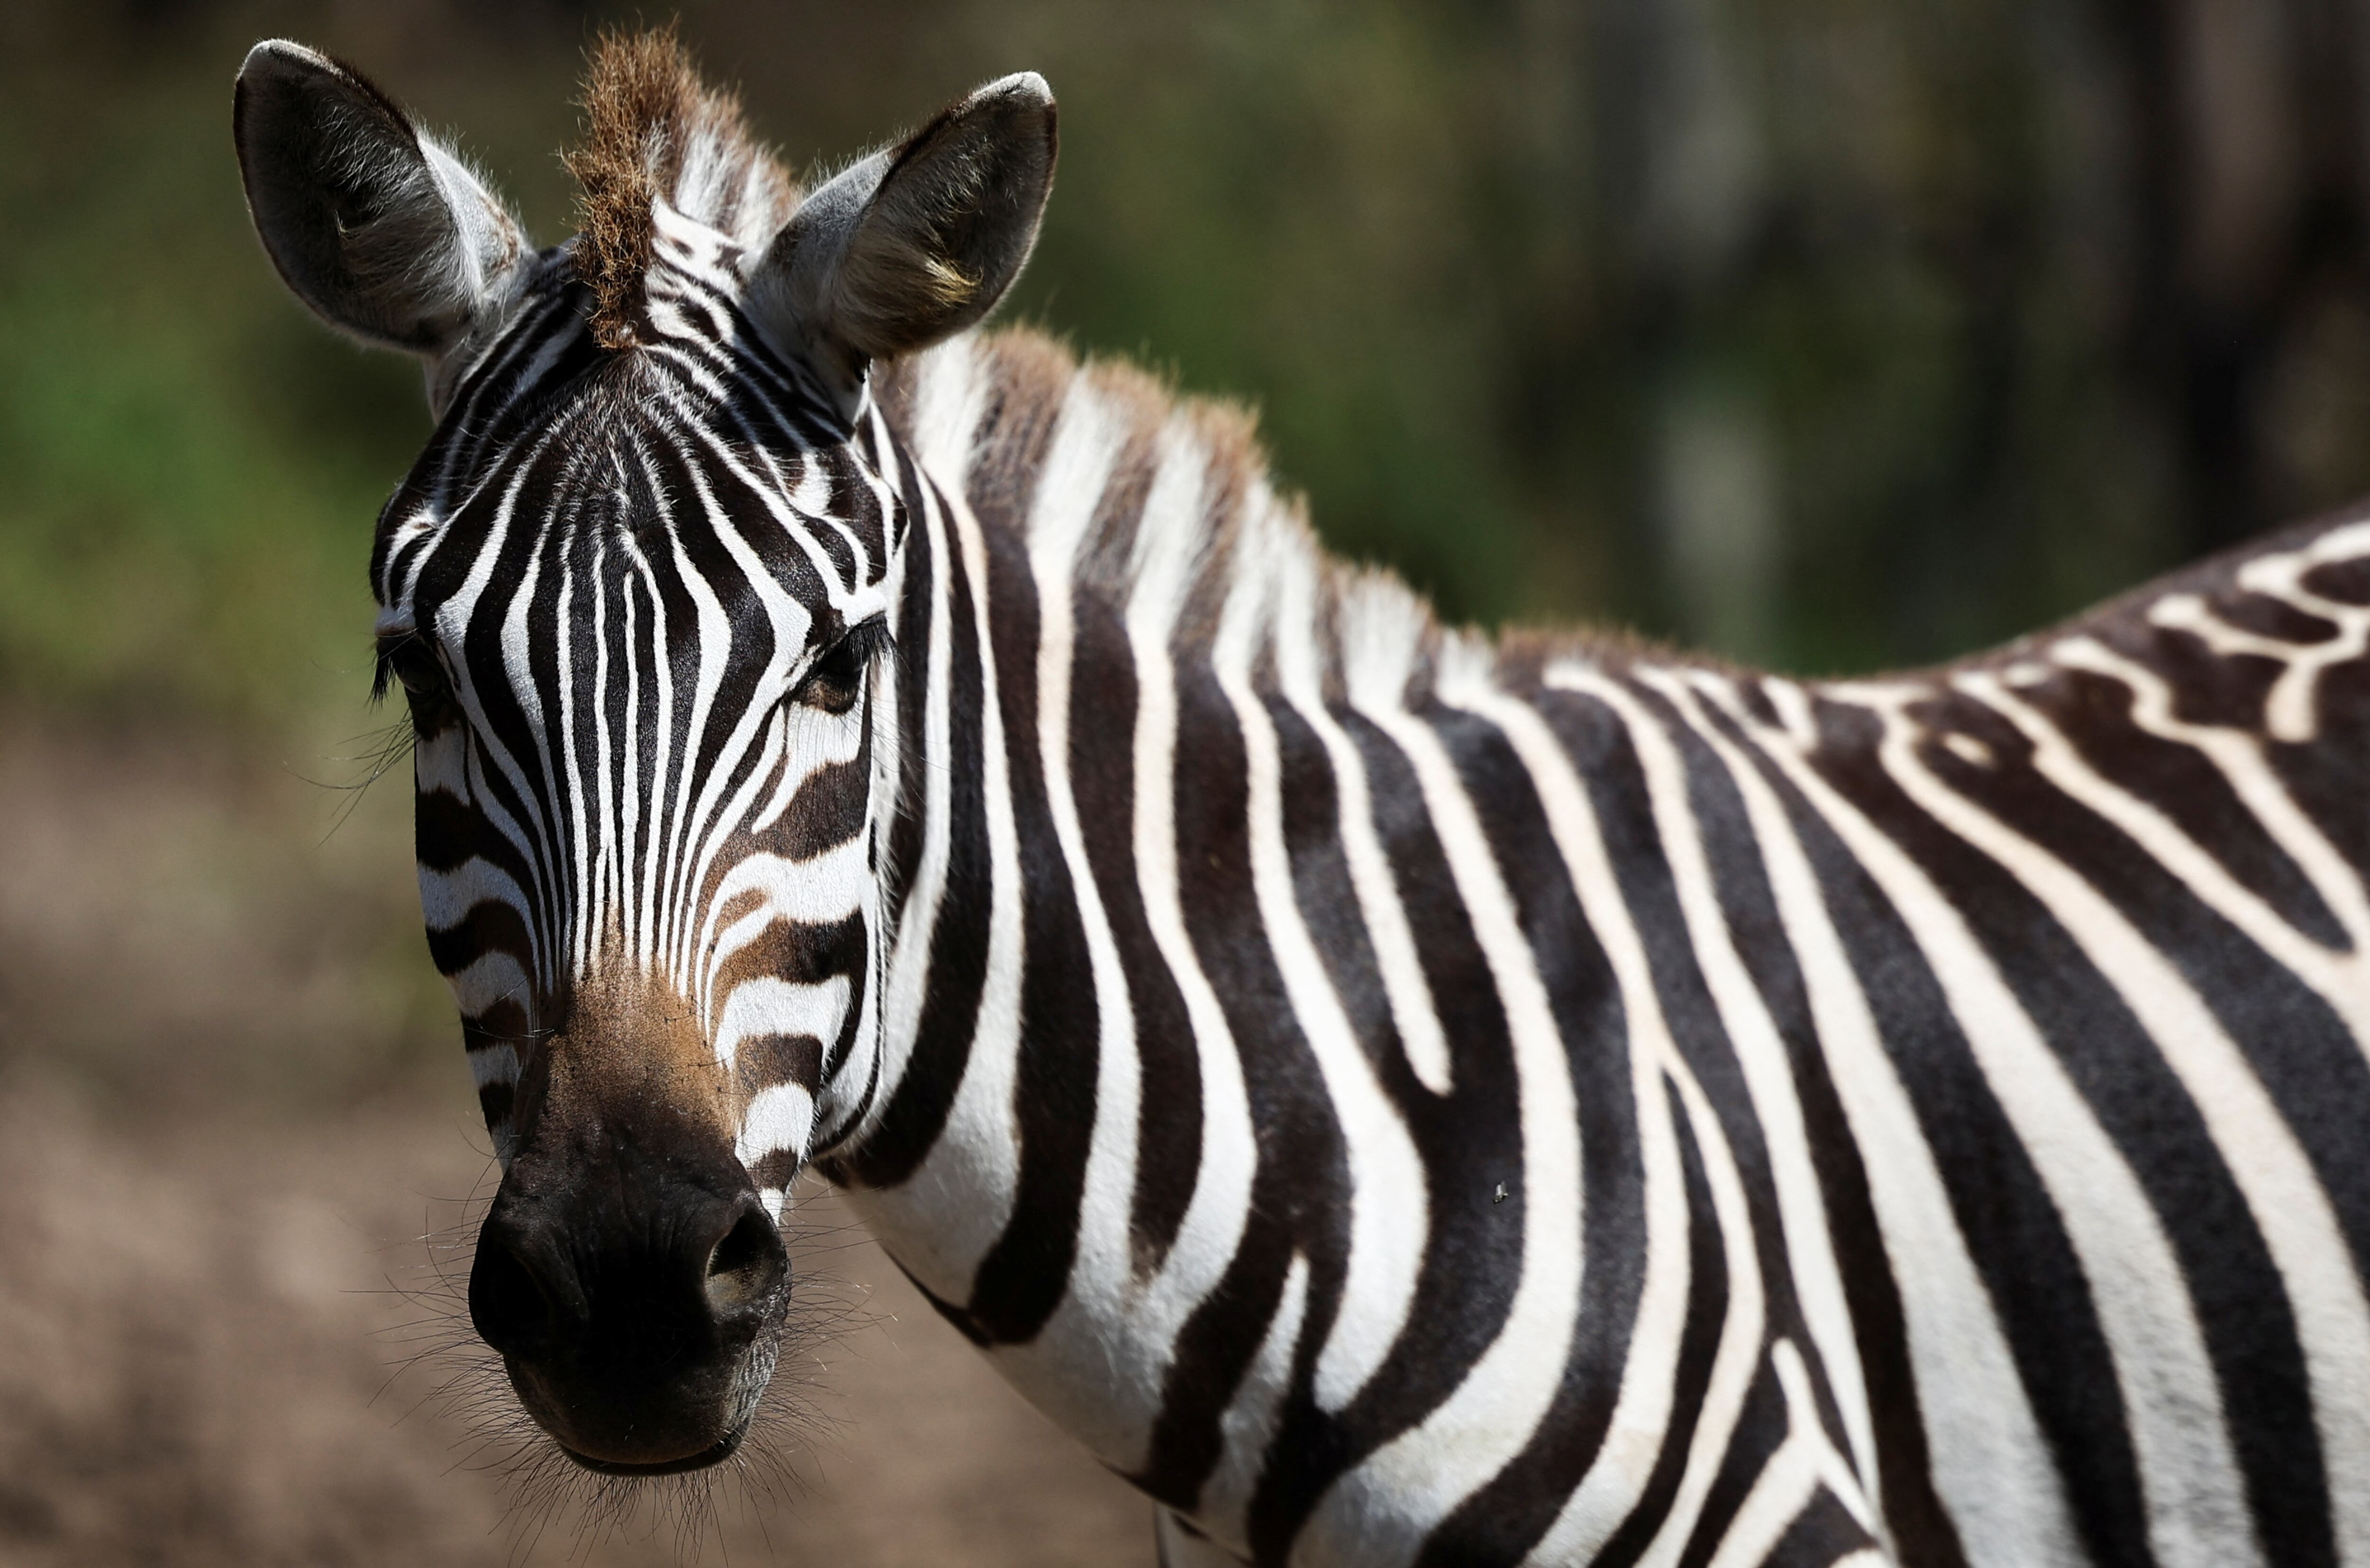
[1103, 593]
[1159, 1058]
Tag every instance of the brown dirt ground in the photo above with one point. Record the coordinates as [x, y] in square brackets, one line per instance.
[230, 1109]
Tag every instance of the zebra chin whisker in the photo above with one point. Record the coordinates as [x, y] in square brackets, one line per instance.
[455, 1378]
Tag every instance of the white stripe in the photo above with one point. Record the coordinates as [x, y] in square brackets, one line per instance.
[1761, 1057]
[1248, 1422]
[498, 1063]
[1092, 1378]
[598, 922]
[533, 837]
[950, 390]
[527, 693]
[780, 1116]
[700, 827]
[2284, 1198]
[1421, 1476]
[576, 948]
[1169, 533]
[2289, 710]
[763, 1006]
[1640, 1421]
[819, 889]
[811, 742]
[1792, 1477]
[446, 897]
[492, 977]
[1413, 1014]
[1988, 1459]
[909, 962]
[440, 764]
[940, 1224]
[2196, 1502]
[1741, 1331]
[667, 767]
[1128, 1332]
[1769, 1083]
[2340, 978]
[1389, 1207]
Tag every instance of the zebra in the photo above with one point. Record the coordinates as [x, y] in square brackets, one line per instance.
[1397, 1095]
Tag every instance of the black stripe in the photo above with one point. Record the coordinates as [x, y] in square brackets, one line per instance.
[2242, 1305]
[2014, 1235]
[916, 1112]
[1920, 1527]
[2093, 711]
[1299, 1193]
[1825, 1533]
[1706, 1303]
[1761, 1425]
[1021, 1279]
[1503, 1519]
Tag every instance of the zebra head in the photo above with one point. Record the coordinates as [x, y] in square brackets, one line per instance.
[637, 592]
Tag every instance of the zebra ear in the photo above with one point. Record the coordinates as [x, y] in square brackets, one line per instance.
[384, 233]
[915, 242]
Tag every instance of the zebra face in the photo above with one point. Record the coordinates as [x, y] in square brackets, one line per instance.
[638, 652]
[637, 593]
[645, 752]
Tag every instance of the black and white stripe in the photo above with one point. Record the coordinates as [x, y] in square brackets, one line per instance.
[624, 569]
[1406, 1098]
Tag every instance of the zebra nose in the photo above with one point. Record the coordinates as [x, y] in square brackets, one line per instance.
[635, 1318]
[527, 1294]
[515, 1302]
[747, 1269]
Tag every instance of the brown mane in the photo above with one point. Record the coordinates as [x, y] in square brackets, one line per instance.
[645, 112]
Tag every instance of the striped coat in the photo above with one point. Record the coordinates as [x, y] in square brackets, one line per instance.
[1395, 1094]
[1551, 1098]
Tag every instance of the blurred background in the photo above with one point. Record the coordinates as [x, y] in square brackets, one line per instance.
[1831, 334]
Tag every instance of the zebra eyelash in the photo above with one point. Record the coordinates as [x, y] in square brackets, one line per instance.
[836, 677]
[410, 659]
[406, 657]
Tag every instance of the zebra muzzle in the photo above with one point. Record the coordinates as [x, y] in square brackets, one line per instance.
[636, 1289]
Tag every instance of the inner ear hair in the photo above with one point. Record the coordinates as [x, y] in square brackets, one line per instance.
[914, 244]
[953, 222]
[382, 233]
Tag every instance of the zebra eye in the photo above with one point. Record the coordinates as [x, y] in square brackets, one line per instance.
[835, 679]
[407, 658]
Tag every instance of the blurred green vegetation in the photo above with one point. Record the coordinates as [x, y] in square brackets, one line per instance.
[1835, 333]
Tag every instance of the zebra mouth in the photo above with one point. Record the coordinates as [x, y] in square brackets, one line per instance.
[717, 1452]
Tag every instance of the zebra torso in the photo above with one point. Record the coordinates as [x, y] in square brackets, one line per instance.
[1404, 1098]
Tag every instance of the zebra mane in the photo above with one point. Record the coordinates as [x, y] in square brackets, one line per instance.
[985, 411]
[653, 130]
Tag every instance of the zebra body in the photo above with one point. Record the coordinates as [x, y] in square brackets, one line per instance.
[1642, 1104]
[1397, 1096]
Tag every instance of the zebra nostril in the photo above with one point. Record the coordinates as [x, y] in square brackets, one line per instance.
[748, 1267]
[506, 1302]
